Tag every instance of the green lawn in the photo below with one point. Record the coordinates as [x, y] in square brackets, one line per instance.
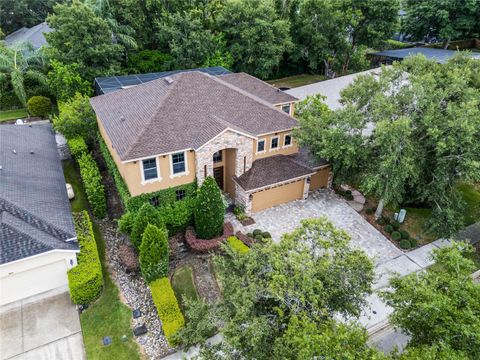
[13, 114]
[296, 80]
[182, 283]
[108, 316]
[471, 195]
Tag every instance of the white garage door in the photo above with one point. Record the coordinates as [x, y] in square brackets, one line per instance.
[34, 281]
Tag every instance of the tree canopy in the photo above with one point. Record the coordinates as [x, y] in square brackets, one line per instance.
[408, 135]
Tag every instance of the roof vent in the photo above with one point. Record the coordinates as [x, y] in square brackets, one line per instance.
[31, 152]
[122, 119]
[168, 80]
[14, 151]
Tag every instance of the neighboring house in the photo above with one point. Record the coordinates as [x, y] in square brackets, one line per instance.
[181, 128]
[38, 243]
[34, 35]
[439, 55]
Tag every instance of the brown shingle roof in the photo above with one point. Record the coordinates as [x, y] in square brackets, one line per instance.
[160, 117]
[270, 171]
[305, 157]
[258, 88]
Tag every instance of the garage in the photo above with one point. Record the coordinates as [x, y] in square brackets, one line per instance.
[277, 195]
[320, 179]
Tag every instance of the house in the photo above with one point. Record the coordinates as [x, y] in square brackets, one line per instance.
[38, 243]
[34, 35]
[439, 55]
[181, 128]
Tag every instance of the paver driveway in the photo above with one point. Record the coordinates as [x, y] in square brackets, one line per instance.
[285, 218]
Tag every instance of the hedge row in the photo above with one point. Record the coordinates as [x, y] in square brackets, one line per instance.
[201, 245]
[92, 181]
[77, 146]
[167, 308]
[85, 280]
[177, 216]
[134, 203]
[237, 245]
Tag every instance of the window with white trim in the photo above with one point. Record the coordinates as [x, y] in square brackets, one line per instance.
[178, 163]
[261, 146]
[288, 140]
[286, 108]
[150, 171]
[274, 143]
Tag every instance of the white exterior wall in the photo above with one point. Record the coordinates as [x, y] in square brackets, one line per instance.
[34, 275]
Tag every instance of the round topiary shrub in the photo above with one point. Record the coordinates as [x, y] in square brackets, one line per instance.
[209, 210]
[266, 235]
[39, 106]
[405, 234]
[257, 232]
[388, 228]
[395, 224]
[380, 221]
[250, 235]
[396, 235]
[369, 211]
[413, 242]
[259, 237]
[405, 244]
[386, 219]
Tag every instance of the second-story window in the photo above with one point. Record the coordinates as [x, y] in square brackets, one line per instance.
[217, 157]
[149, 169]
[178, 163]
[288, 140]
[261, 146]
[274, 143]
[286, 108]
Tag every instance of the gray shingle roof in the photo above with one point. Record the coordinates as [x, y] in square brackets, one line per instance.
[272, 170]
[439, 55]
[258, 88]
[160, 116]
[35, 213]
[34, 35]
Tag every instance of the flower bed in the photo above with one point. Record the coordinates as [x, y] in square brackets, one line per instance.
[202, 245]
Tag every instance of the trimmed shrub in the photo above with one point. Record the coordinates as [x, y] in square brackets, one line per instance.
[167, 308]
[209, 210]
[165, 196]
[125, 223]
[178, 215]
[154, 253]
[77, 146]
[237, 245]
[259, 237]
[257, 232]
[388, 228]
[92, 181]
[113, 171]
[202, 245]
[146, 215]
[386, 219]
[405, 244]
[380, 221]
[250, 235]
[413, 242]
[396, 235]
[266, 235]
[405, 234]
[396, 225]
[129, 258]
[369, 211]
[85, 280]
[39, 106]
[76, 118]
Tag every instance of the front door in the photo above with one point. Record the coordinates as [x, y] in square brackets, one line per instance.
[218, 175]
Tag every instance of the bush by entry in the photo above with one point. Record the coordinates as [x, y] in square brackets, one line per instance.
[85, 281]
[209, 210]
[167, 308]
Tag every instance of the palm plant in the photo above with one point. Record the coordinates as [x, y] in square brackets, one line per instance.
[21, 62]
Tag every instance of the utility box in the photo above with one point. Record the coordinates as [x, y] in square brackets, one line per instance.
[401, 215]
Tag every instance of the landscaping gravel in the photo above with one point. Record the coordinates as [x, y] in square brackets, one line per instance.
[136, 294]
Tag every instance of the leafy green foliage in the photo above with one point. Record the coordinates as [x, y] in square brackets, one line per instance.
[76, 118]
[126, 222]
[146, 215]
[209, 210]
[434, 352]
[65, 81]
[39, 106]
[237, 245]
[165, 196]
[77, 147]
[177, 215]
[22, 13]
[85, 280]
[154, 253]
[167, 308]
[92, 181]
[147, 61]
[84, 38]
[440, 306]
[404, 243]
[257, 37]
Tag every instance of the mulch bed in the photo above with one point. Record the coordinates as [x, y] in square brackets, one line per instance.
[247, 221]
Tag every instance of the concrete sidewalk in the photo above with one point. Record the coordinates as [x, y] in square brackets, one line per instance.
[43, 327]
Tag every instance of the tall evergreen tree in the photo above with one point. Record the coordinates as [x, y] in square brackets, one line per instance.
[154, 253]
[209, 210]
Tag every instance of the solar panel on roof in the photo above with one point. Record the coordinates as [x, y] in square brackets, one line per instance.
[104, 85]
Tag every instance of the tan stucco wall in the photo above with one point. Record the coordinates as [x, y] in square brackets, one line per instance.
[292, 149]
[277, 195]
[34, 275]
[320, 179]
[292, 107]
[132, 171]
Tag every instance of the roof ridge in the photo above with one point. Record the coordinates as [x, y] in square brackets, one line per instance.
[266, 83]
[154, 113]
